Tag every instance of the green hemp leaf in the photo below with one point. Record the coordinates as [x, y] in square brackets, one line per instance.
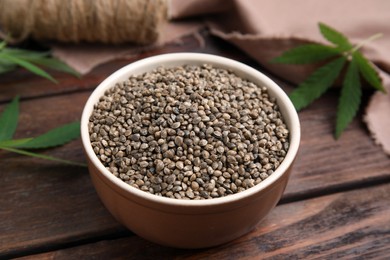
[10, 58]
[55, 137]
[335, 57]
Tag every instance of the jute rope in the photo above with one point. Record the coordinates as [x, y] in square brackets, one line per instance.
[107, 21]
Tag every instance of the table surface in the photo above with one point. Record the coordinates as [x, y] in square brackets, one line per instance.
[336, 203]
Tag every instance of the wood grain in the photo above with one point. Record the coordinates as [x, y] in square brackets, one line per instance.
[24, 83]
[44, 203]
[352, 224]
[46, 206]
[353, 160]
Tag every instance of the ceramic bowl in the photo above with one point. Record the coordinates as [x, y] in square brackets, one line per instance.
[190, 223]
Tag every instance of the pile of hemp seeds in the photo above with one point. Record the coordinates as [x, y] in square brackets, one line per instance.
[189, 132]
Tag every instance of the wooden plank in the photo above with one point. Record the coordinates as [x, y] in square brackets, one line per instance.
[45, 204]
[352, 224]
[28, 85]
[326, 163]
[21, 82]
[42, 202]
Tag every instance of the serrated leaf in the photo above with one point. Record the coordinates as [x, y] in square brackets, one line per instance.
[14, 142]
[307, 54]
[6, 66]
[9, 120]
[335, 37]
[2, 45]
[54, 64]
[316, 84]
[41, 58]
[42, 156]
[21, 53]
[27, 65]
[350, 98]
[368, 72]
[55, 137]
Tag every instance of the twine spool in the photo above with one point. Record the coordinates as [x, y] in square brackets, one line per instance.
[106, 21]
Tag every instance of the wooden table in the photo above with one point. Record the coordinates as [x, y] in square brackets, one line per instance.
[336, 205]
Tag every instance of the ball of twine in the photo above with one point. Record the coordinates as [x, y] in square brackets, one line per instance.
[106, 21]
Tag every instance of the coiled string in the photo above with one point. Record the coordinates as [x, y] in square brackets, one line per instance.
[106, 21]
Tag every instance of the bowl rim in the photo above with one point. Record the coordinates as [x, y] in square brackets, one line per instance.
[193, 58]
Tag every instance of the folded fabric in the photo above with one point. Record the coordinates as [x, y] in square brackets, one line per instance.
[266, 28]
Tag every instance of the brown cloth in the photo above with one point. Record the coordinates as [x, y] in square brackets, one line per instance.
[266, 28]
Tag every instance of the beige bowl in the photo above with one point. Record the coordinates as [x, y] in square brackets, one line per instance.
[190, 223]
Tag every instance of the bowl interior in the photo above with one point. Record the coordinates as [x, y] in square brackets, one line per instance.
[169, 60]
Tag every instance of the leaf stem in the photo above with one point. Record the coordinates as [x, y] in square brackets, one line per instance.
[365, 41]
[42, 156]
[2, 45]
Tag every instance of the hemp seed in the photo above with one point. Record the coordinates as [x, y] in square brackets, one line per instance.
[189, 132]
